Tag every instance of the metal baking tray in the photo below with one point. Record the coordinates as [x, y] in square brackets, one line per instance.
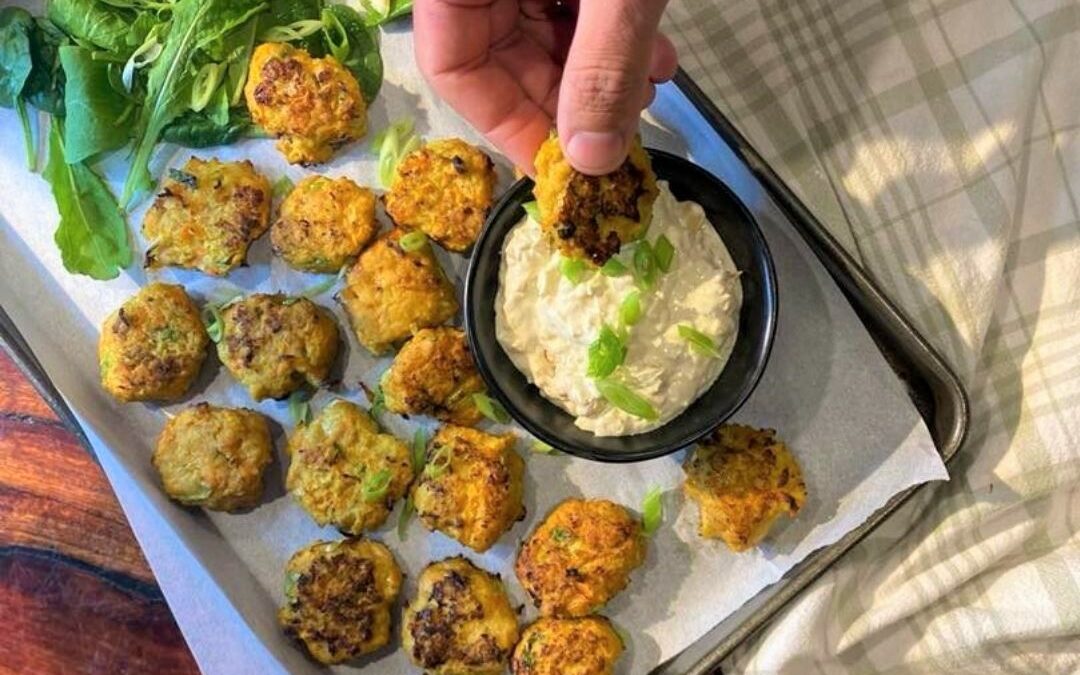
[932, 386]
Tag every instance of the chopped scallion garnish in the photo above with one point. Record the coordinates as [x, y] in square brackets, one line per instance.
[606, 353]
[699, 342]
[440, 461]
[652, 511]
[290, 32]
[206, 83]
[419, 450]
[336, 36]
[543, 448]
[282, 187]
[323, 286]
[664, 252]
[211, 316]
[630, 309]
[412, 241]
[405, 516]
[621, 396]
[573, 269]
[376, 485]
[490, 408]
[532, 209]
[644, 265]
[614, 268]
[393, 143]
[300, 406]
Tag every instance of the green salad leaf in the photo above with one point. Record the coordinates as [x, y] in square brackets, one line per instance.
[95, 114]
[92, 236]
[606, 353]
[623, 398]
[94, 23]
[200, 130]
[16, 25]
[356, 46]
[195, 24]
[44, 87]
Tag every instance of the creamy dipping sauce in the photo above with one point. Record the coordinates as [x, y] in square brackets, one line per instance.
[545, 323]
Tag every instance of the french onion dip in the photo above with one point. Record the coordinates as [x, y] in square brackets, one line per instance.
[673, 352]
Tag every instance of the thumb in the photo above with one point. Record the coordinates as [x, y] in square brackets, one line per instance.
[605, 81]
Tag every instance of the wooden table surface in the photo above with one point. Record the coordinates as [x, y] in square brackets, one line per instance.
[76, 593]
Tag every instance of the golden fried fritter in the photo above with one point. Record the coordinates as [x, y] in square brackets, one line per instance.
[591, 217]
[434, 374]
[338, 597]
[313, 106]
[743, 479]
[153, 346]
[580, 557]
[460, 622]
[391, 294]
[324, 223]
[471, 487]
[214, 457]
[344, 471]
[585, 646]
[206, 216]
[444, 189]
[273, 344]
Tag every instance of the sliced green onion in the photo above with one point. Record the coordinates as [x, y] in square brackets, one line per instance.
[561, 534]
[144, 55]
[664, 252]
[297, 30]
[378, 402]
[532, 209]
[630, 309]
[376, 485]
[206, 83]
[439, 462]
[393, 143]
[282, 187]
[621, 396]
[300, 406]
[211, 317]
[405, 516]
[542, 448]
[490, 408]
[699, 342]
[419, 450]
[644, 265]
[323, 286]
[184, 177]
[290, 583]
[412, 241]
[652, 511]
[606, 353]
[614, 268]
[573, 269]
[336, 36]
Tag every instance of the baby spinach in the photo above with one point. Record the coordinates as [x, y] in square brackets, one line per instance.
[92, 236]
[195, 24]
[45, 86]
[356, 46]
[200, 130]
[95, 23]
[95, 113]
[15, 65]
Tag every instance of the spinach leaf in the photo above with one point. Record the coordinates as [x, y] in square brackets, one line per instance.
[95, 113]
[284, 12]
[92, 236]
[363, 58]
[15, 62]
[195, 25]
[45, 87]
[94, 22]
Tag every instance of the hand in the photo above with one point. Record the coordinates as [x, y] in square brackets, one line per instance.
[515, 68]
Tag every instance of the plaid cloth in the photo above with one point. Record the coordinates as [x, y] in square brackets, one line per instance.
[940, 143]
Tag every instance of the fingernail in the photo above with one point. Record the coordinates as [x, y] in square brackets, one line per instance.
[596, 152]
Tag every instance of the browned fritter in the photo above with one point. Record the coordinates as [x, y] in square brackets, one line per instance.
[152, 347]
[323, 223]
[461, 622]
[390, 294]
[591, 217]
[274, 344]
[471, 488]
[313, 106]
[434, 374]
[444, 189]
[585, 646]
[580, 557]
[206, 216]
[743, 479]
[338, 597]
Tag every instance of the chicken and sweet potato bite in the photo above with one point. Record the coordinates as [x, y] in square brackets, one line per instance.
[344, 471]
[206, 216]
[444, 189]
[585, 646]
[152, 347]
[580, 557]
[274, 344]
[390, 293]
[338, 596]
[591, 217]
[323, 223]
[434, 374]
[461, 622]
[471, 487]
[313, 106]
[743, 479]
[214, 457]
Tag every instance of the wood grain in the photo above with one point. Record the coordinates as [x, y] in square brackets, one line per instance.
[77, 594]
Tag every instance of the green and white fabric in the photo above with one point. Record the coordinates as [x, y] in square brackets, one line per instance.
[940, 142]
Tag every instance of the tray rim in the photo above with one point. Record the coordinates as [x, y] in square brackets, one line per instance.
[950, 415]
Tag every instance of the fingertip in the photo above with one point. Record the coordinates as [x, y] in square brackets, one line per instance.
[664, 60]
[595, 152]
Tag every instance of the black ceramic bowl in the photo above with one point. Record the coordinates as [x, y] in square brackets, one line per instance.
[757, 323]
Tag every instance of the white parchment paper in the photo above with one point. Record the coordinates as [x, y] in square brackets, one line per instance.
[827, 390]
